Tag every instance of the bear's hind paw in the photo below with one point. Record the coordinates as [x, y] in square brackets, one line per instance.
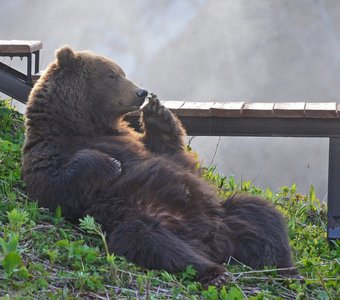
[218, 280]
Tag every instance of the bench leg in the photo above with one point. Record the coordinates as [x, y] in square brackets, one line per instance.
[29, 68]
[36, 61]
[333, 228]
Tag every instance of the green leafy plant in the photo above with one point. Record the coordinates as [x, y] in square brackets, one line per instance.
[10, 258]
[89, 225]
[17, 218]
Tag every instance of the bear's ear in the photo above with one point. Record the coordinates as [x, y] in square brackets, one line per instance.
[66, 56]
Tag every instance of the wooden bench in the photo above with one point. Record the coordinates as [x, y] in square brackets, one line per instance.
[295, 119]
[13, 82]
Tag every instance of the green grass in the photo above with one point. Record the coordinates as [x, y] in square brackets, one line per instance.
[42, 256]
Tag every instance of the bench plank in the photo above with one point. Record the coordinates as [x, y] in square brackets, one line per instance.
[174, 106]
[321, 110]
[338, 109]
[257, 110]
[19, 46]
[289, 109]
[195, 109]
[226, 109]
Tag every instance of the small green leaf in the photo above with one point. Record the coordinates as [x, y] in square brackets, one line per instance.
[23, 273]
[88, 224]
[3, 245]
[312, 196]
[13, 243]
[189, 274]
[57, 214]
[269, 193]
[62, 243]
[211, 293]
[234, 294]
[11, 261]
[17, 217]
[293, 189]
[111, 259]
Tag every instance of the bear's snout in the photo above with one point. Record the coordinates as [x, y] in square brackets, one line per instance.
[142, 93]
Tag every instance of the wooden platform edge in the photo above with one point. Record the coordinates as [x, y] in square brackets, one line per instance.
[289, 110]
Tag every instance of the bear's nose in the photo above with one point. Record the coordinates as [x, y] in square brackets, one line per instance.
[142, 93]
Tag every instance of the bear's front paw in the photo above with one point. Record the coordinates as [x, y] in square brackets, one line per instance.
[157, 115]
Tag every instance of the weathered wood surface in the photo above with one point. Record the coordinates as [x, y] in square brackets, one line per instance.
[226, 109]
[19, 46]
[321, 110]
[277, 110]
[198, 109]
[256, 119]
[289, 109]
[257, 110]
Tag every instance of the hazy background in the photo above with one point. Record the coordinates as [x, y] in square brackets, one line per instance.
[206, 50]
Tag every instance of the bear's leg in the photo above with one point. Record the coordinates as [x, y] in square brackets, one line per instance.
[164, 133]
[150, 245]
[72, 185]
[259, 233]
[89, 168]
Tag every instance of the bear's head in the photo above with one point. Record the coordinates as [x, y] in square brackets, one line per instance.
[84, 85]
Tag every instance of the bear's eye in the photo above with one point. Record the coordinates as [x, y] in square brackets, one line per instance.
[113, 76]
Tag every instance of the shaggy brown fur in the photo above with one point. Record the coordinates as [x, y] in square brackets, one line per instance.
[143, 188]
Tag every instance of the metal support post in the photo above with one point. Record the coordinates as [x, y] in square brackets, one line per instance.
[333, 228]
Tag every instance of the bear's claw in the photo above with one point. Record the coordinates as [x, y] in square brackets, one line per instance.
[118, 164]
[219, 281]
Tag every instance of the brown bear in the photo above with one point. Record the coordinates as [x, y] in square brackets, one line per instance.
[145, 189]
